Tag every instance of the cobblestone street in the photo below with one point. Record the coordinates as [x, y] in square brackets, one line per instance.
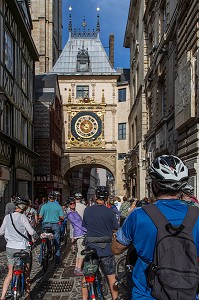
[56, 284]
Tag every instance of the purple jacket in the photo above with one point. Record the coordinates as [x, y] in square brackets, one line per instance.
[76, 222]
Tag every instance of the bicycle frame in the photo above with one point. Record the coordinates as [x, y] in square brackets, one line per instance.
[47, 240]
[93, 285]
[18, 279]
[92, 276]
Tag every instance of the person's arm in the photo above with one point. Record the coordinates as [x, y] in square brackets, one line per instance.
[116, 247]
[61, 214]
[125, 235]
[3, 227]
[27, 225]
[41, 213]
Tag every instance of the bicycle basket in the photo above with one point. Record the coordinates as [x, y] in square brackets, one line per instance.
[45, 235]
[90, 268]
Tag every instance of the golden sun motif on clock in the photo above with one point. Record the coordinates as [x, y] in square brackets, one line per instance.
[86, 126]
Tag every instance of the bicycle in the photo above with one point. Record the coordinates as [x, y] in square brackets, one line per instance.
[47, 246]
[95, 280]
[18, 280]
[124, 268]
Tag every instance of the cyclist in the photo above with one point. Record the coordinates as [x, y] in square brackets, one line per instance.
[64, 223]
[77, 234]
[31, 214]
[51, 213]
[10, 206]
[100, 223]
[80, 207]
[169, 175]
[187, 195]
[124, 209]
[15, 240]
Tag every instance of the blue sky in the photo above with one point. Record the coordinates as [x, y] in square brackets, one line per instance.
[113, 19]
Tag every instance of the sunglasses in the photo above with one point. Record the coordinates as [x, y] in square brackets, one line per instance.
[71, 203]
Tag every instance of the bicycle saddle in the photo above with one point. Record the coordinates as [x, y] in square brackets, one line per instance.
[48, 230]
[22, 255]
[88, 251]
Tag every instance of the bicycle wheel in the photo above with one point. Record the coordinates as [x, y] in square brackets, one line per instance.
[121, 274]
[121, 266]
[102, 283]
[44, 256]
[17, 286]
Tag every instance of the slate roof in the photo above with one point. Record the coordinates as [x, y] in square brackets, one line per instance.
[99, 62]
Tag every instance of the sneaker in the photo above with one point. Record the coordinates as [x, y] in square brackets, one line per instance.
[78, 272]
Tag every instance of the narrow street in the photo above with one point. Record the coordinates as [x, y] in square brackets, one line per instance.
[58, 283]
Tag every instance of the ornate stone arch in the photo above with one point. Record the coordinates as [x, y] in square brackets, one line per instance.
[106, 161]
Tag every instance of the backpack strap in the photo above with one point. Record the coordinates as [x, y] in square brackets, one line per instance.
[155, 215]
[160, 220]
[191, 218]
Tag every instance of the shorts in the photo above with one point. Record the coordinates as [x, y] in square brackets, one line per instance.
[108, 265]
[10, 255]
[80, 247]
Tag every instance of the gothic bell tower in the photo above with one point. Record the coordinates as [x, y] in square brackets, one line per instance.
[47, 32]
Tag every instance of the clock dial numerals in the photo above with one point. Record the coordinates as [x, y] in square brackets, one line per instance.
[86, 125]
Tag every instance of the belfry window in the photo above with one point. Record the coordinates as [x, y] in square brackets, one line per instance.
[82, 61]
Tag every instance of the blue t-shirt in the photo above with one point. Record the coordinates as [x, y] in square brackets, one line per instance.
[100, 221]
[141, 231]
[51, 211]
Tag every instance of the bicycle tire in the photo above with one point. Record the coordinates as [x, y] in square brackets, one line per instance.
[30, 264]
[121, 265]
[103, 283]
[44, 257]
[120, 272]
[17, 284]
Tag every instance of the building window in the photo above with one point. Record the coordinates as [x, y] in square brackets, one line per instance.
[8, 119]
[122, 95]
[121, 131]
[9, 51]
[24, 76]
[24, 131]
[82, 91]
[82, 60]
[121, 156]
[163, 17]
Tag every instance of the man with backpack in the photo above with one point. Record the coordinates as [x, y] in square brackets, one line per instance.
[165, 236]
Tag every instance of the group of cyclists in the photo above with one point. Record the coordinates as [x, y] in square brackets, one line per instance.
[110, 226]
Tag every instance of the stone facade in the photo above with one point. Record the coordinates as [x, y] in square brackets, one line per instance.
[169, 55]
[47, 32]
[48, 126]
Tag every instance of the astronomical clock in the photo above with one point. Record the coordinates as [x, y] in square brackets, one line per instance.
[86, 125]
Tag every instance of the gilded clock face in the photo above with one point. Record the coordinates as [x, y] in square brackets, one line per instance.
[86, 125]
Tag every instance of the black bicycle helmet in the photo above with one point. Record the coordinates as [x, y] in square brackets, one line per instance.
[21, 202]
[102, 193]
[53, 195]
[168, 173]
[69, 200]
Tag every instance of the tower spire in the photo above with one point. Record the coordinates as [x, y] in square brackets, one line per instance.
[98, 24]
[70, 27]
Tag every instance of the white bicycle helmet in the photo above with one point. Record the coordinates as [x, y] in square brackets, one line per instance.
[78, 195]
[168, 173]
[188, 190]
[21, 202]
